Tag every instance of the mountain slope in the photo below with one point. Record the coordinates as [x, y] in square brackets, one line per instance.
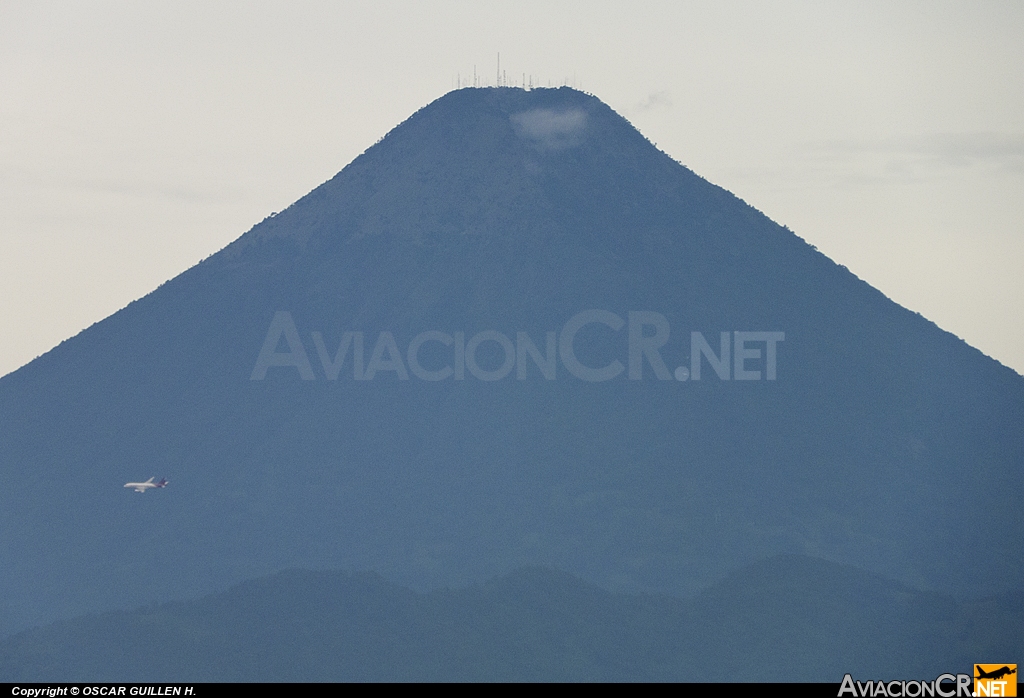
[884, 442]
[785, 619]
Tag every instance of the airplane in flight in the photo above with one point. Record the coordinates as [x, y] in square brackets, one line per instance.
[148, 484]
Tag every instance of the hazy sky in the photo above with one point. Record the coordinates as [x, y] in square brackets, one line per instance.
[138, 138]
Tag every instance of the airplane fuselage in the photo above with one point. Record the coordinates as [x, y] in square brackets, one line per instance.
[148, 484]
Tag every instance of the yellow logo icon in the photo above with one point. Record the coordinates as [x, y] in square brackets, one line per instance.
[995, 680]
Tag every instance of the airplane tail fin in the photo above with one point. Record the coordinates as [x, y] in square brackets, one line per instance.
[163, 482]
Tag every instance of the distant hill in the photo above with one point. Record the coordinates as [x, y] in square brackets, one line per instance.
[786, 619]
[870, 437]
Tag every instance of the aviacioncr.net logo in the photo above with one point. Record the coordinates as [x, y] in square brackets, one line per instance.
[995, 680]
[945, 686]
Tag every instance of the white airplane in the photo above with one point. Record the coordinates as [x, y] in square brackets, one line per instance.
[148, 484]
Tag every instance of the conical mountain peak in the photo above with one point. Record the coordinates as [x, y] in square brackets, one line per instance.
[511, 332]
[498, 188]
[470, 162]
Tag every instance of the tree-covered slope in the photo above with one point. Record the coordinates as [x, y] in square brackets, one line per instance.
[786, 619]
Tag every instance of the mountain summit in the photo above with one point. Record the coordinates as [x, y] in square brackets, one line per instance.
[511, 332]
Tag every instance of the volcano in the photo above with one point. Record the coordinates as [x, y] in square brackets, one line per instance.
[513, 332]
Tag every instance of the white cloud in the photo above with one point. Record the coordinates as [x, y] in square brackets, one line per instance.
[922, 157]
[655, 100]
[551, 129]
